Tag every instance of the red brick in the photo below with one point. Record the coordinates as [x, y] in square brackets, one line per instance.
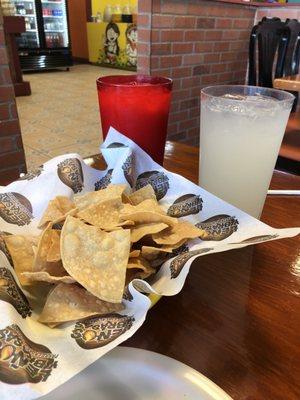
[174, 8]
[192, 59]
[195, 92]
[190, 82]
[170, 61]
[235, 12]
[185, 22]
[224, 23]
[9, 128]
[3, 56]
[162, 71]
[174, 106]
[194, 133]
[242, 23]
[143, 20]
[7, 93]
[143, 64]
[13, 111]
[189, 123]
[194, 112]
[155, 36]
[193, 36]
[206, 23]
[225, 77]
[221, 46]
[213, 35]
[217, 10]
[218, 68]
[4, 111]
[172, 128]
[201, 69]
[145, 6]
[155, 62]
[244, 35]
[179, 116]
[211, 57]
[12, 159]
[176, 84]
[181, 72]
[189, 103]
[230, 56]
[181, 48]
[143, 48]
[180, 94]
[197, 9]
[203, 47]
[5, 77]
[162, 21]
[7, 144]
[239, 45]
[209, 79]
[230, 35]
[161, 48]
[172, 36]
[178, 137]
[144, 35]
[1, 36]
[156, 6]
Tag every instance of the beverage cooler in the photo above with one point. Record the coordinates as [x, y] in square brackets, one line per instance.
[46, 43]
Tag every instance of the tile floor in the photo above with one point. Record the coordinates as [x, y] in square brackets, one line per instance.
[61, 115]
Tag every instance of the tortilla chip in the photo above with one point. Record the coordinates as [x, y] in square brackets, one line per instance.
[146, 205]
[146, 217]
[140, 263]
[21, 251]
[142, 194]
[67, 303]
[151, 253]
[53, 254]
[96, 259]
[105, 215]
[56, 209]
[134, 253]
[43, 276]
[86, 200]
[141, 230]
[171, 236]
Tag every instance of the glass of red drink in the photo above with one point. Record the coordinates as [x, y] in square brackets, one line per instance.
[137, 106]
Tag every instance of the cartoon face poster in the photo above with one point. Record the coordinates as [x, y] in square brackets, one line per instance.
[131, 46]
[111, 45]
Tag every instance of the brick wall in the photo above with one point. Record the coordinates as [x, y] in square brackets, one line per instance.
[196, 43]
[12, 159]
[282, 13]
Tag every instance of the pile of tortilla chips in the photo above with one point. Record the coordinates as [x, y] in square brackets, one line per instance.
[91, 247]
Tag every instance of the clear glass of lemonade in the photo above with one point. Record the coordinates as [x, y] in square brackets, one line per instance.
[240, 136]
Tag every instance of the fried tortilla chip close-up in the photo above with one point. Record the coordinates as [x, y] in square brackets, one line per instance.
[67, 303]
[96, 259]
[57, 209]
[21, 250]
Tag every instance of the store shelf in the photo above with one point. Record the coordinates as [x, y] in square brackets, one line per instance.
[51, 2]
[26, 1]
[31, 30]
[53, 16]
[27, 15]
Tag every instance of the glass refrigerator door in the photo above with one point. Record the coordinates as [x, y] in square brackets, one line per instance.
[55, 23]
[30, 38]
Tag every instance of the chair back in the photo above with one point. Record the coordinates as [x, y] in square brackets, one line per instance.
[271, 36]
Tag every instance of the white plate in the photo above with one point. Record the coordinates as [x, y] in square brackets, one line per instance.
[126, 373]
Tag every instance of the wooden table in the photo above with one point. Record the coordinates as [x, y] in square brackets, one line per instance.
[288, 83]
[237, 319]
